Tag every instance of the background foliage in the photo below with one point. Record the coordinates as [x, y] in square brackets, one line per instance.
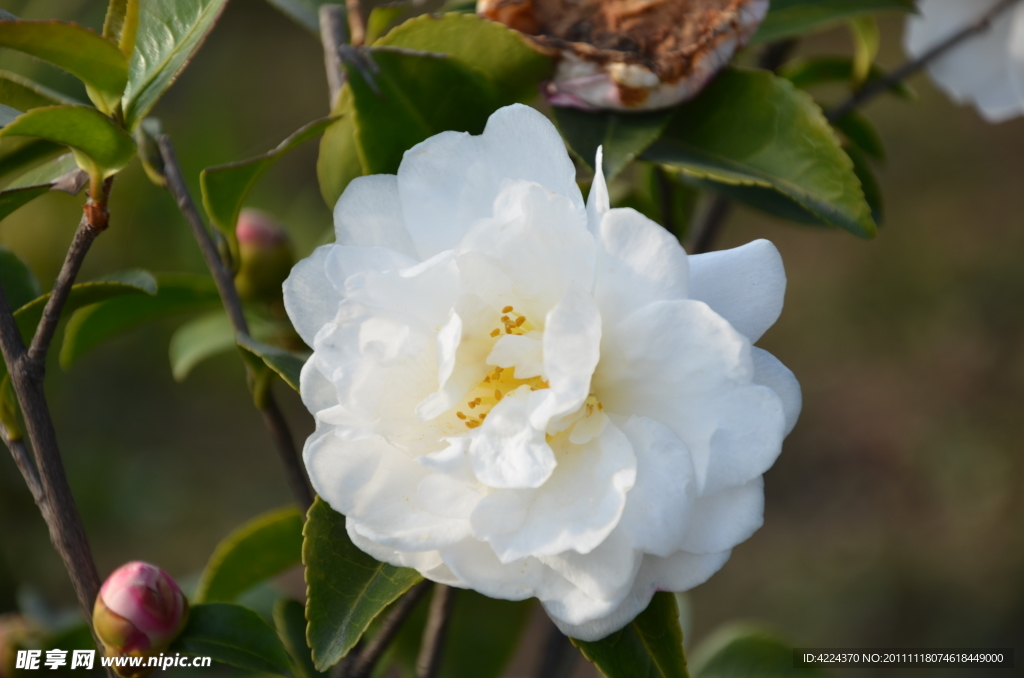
[894, 515]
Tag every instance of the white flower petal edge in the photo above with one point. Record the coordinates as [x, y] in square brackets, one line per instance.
[986, 70]
[532, 397]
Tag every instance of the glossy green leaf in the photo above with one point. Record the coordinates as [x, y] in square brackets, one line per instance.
[15, 198]
[198, 340]
[866, 41]
[338, 162]
[805, 73]
[234, 635]
[285, 364]
[421, 94]
[868, 180]
[89, 57]
[24, 94]
[740, 652]
[8, 115]
[100, 146]
[767, 200]
[18, 154]
[303, 12]
[483, 635]
[787, 18]
[497, 51]
[290, 620]
[651, 646]
[751, 128]
[135, 281]
[92, 325]
[623, 136]
[122, 24]
[19, 283]
[260, 549]
[61, 174]
[862, 134]
[226, 187]
[346, 587]
[382, 18]
[169, 33]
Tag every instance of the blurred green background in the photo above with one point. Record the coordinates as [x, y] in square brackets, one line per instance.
[895, 515]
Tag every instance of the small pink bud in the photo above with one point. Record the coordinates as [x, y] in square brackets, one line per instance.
[140, 610]
[265, 256]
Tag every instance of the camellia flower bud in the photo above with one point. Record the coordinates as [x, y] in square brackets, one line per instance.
[630, 54]
[265, 256]
[140, 610]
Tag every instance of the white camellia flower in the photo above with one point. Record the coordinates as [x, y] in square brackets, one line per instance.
[986, 70]
[528, 396]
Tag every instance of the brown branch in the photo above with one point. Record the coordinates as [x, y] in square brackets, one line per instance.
[332, 35]
[428, 663]
[23, 460]
[356, 22]
[558, 656]
[876, 87]
[365, 661]
[272, 416]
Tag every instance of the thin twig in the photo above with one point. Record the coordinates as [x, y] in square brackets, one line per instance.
[428, 663]
[272, 416]
[668, 216]
[332, 35]
[356, 22]
[365, 661]
[23, 460]
[558, 657]
[876, 87]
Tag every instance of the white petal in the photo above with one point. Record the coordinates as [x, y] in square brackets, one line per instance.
[572, 349]
[427, 563]
[309, 297]
[369, 214]
[507, 452]
[681, 572]
[638, 262]
[524, 352]
[578, 506]
[475, 563]
[451, 180]
[745, 285]
[769, 371]
[681, 364]
[722, 520]
[598, 202]
[375, 486]
[605, 574]
[659, 507]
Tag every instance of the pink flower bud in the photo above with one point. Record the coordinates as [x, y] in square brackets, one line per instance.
[265, 256]
[626, 55]
[140, 610]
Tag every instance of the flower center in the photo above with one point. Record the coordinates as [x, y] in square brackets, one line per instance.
[515, 323]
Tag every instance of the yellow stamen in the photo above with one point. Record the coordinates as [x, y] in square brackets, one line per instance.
[507, 309]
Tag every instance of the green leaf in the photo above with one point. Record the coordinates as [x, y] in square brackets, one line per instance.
[624, 136]
[382, 18]
[741, 652]
[92, 59]
[286, 364]
[258, 550]
[421, 94]
[338, 162]
[226, 187]
[868, 180]
[198, 340]
[135, 281]
[233, 635]
[346, 587]
[651, 646]
[19, 283]
[862, 134]
[122, 24]
[170, 32]
[499, 52]
[24, 94]
[290, 620]
[92, 325]
[751, 128]
[100, 146]
[303, 12]
[787, 18]
[866, 41]
[17, 154]
[806, 73]
[13, 199]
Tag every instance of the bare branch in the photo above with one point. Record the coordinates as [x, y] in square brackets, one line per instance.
[428, 663]
[356, 22]
[333, 37]
[272, 416]
[365, 661]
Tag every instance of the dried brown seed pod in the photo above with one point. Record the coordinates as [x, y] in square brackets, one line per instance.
[631, 54]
